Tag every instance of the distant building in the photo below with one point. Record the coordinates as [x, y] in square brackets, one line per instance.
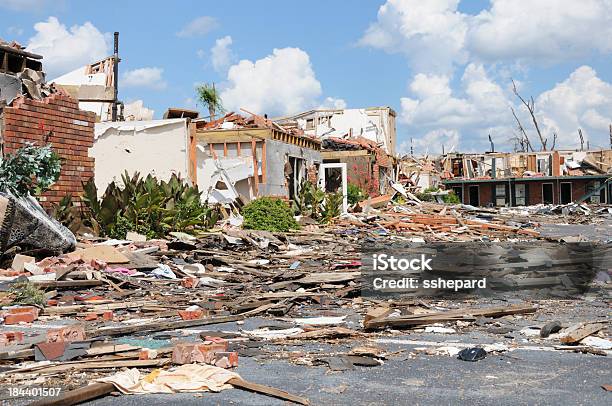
[528, 178]
[376, 124]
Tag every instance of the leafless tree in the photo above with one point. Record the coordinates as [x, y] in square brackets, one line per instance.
[554, 141]
[525, 138]
[581, 139]
[530, 105]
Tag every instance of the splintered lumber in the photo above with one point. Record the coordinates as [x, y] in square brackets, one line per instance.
[267, 390]
[172, 325]
[451, 315]
[97, 307]
[80, 395]
[328, 277]
[578, 331]
[68, 284]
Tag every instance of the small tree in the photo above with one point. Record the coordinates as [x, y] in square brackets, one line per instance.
[210, 98]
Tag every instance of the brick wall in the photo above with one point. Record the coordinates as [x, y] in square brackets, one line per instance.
[71, 135]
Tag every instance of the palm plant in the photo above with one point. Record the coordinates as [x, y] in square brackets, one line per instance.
[210, 98]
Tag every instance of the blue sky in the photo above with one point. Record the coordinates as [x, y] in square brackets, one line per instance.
[443, 65]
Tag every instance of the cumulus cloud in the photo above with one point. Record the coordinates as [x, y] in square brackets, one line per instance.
[199, 27]
[281, 83]
[67, 49]
[583, 101]
[437, 114]
[430, 33]
[221, 54]
[481, 106]
[434, 35]
[333, 103]
[151, 78]
[545, 30]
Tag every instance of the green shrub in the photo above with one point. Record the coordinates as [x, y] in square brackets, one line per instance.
[355, 194]
[316, 204]
[270, 214]
[27, 293]
[426, 196]
[30, 170]
[144, 205]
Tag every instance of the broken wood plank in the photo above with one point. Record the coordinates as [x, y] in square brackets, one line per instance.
[80, 395]
[267, 390]
[451, 315]
[67, 284]
[171, 325]
[578, 331]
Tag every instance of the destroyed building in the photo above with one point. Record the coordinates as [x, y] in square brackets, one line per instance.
[252, 157]
[363, 139]
[32, 111]
[521, 179]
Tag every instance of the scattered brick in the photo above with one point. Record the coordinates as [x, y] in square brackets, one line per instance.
[191, 314]
[68, 333]
[11, 338]
[189, 353]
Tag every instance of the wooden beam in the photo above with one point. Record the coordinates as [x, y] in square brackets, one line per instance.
[267, 390]
[80, 395]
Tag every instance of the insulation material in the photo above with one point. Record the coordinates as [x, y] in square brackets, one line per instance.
[223, 180]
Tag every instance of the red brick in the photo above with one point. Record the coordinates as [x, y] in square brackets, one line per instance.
[68, 333]
[189, 282]
[189, 353]
[16, 318]
[191, 314]
[11, 338]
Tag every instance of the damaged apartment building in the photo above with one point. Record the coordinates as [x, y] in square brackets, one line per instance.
[521, 179]
[363, 140]
[33, 111]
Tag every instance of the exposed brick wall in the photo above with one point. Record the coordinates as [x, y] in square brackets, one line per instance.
[71, 135]
[534, 190]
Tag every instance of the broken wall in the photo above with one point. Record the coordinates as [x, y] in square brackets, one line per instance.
[58, 120]
[158, 147]
[277, 155]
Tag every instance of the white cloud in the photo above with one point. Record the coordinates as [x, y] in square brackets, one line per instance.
[151, 78]
[281, 83]
[482, 107]
[437, 114]
[333, 103]
[199, 27]
[65, 50]
[221, 53]
[583, 101]
[434, 142]
[543, 30]
[136, 111]
[201, 53]
[430, 33]
[435, 36]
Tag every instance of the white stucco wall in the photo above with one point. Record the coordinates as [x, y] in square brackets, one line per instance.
[159, 147]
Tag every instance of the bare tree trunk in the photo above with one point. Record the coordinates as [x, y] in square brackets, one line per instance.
[531, 109]
[581, 139]
[522, 130]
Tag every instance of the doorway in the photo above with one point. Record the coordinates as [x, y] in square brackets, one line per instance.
[566, 192]
[474, 194]
[547, 193]
[458, 191]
